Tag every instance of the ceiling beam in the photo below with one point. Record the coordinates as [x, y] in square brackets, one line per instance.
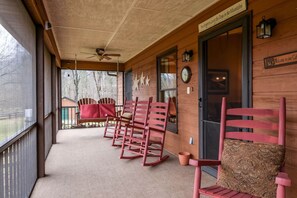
[37, 12]
[88, 65]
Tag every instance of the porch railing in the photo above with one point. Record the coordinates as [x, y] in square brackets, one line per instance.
[18, 165]
[69, 117]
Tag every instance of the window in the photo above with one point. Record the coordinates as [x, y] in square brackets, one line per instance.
[167, 68]
[17, 74]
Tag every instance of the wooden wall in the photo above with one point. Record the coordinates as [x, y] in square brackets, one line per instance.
[268, 84]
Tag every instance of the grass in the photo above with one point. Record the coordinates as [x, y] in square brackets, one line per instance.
[9, 128]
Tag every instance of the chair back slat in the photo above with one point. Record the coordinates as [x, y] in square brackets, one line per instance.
[129, 106]
[153, 109]
[141, 111]
[106, 101]
[251, 137]
[156, 122]
[158, 115]
[140, 118]
[252, 124]
[84, 101]
[253, 112]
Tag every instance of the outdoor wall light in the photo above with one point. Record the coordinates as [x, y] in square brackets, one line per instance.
[47, 25]
[187, 55]
[264, 28]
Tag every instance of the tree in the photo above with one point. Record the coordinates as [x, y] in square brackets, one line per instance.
[76, 80]
[97, 76]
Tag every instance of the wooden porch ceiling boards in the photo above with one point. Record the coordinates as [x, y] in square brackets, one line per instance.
[126, 27]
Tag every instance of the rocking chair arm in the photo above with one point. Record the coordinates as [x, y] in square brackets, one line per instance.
[204, 162]
[111, 117]
[283, 179]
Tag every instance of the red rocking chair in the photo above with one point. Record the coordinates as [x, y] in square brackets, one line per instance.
[139, 118]
[113, 121]
[126, 118]
[151, 143]
[251, 159]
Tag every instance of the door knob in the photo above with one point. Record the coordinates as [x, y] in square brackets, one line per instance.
[200, 102]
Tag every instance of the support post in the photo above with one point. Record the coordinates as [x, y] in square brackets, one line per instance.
[40, 101]
[54, 99]
[59, 99]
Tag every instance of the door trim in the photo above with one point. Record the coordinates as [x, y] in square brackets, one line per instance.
[244, 21]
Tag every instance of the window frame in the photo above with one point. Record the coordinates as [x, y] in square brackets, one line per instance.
[31, 50]
[172, 127]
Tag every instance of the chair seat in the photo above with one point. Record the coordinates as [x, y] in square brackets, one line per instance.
[218, 191]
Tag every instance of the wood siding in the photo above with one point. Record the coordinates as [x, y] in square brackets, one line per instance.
[268, 84]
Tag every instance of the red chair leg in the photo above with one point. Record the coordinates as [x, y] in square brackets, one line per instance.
[115, 134]
[106, 125]
[197, 182]
[146, 149]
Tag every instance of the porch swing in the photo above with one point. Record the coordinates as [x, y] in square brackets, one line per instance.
[97, 112]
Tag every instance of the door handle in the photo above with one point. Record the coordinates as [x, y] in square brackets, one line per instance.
[200, 102]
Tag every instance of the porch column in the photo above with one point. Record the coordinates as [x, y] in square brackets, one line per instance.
[40, 101]
[54, 99]
[59, 98]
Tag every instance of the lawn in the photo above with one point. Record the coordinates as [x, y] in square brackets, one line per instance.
[9, 128]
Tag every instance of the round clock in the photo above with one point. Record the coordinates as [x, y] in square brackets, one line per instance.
[186, 74]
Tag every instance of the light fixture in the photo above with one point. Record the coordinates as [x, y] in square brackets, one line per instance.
[47, 25]
[264, 28]
[187, 55]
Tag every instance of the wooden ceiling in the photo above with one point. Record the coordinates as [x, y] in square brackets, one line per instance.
[126, 27]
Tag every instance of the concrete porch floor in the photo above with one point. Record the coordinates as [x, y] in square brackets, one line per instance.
[84, 164]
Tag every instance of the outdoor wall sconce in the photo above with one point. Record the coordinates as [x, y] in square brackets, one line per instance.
[47, 25]
[264, 28]
[187, 55]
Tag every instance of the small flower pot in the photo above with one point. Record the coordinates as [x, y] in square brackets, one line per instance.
[184, 158]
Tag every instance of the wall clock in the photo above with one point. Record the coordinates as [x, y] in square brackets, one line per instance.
[186, 74]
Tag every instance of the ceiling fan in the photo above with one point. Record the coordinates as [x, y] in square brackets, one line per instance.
[101, 54]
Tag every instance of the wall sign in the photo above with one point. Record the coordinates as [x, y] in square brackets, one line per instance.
[222, 16]
[280, 60]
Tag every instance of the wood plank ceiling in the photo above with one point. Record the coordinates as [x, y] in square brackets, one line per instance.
[126, 27]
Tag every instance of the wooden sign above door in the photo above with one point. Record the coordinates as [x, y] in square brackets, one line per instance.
[280, 60]
[223, 15]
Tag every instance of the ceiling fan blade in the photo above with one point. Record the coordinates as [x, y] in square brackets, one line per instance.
[106, 57]
[100, 58]
[112, 55]
[91, 56]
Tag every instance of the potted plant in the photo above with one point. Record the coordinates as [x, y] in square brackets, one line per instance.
[184, 158]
